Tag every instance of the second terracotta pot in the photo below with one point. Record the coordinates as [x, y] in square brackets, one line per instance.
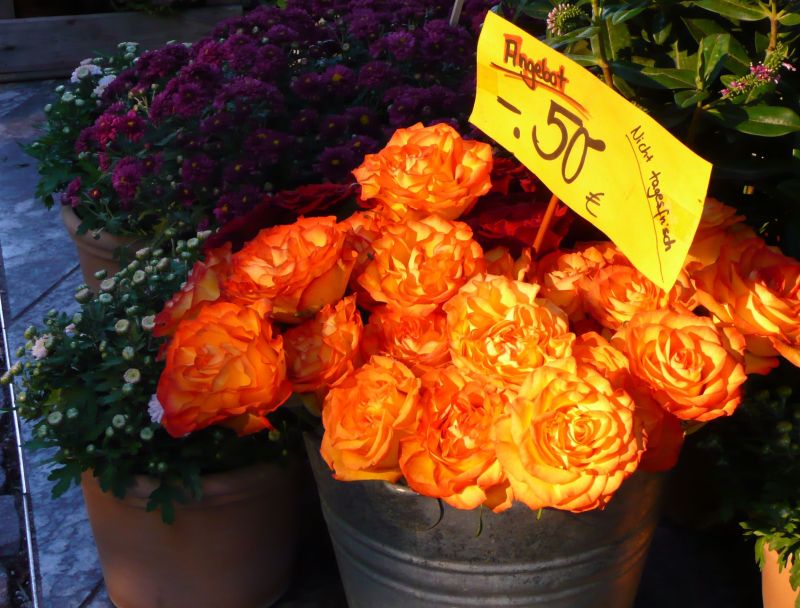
[776, 590]
[233, 549]
[97, 253]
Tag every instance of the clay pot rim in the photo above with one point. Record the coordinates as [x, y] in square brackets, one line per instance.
[218, 488]
[72, 221]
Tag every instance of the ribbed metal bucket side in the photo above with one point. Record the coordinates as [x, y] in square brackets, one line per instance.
[399, 549]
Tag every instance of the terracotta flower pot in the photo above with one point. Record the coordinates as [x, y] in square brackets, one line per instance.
[232, 549]
[397, 549]
[776, 590]
[96, 254]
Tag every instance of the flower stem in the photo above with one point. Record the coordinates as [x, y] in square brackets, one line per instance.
[773, 26]
[602, 59]
[546, 220]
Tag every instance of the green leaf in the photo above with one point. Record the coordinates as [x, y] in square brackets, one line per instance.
[654, 78]
[627, 12]
[761, 120]
[734, 9]
[789, 18]
[738, 61]
[581, 34]
[700, 28]
[715, 50]
[686, 99]
[662, 27]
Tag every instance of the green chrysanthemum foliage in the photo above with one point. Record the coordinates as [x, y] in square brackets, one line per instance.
[87, 379]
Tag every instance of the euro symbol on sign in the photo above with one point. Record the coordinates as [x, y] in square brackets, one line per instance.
[593, 198]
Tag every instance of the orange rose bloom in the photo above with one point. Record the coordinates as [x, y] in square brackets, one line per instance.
[614, 294]
[568, 440]
[756, 288]
[418, 341]
[418, 265]
[299, 268]
[365, 415]
[428, 170]
[223, 366]
[717, 222]
[451, 453]
[500, 332]
[559, 273]
[663, 431]
[593, 350]
[203, 285]
[499, 261]
[323, 349]
[694, 368]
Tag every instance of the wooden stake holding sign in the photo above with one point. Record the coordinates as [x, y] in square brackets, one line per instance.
[607, 160]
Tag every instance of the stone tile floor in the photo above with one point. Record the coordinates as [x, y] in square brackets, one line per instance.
[685, 568]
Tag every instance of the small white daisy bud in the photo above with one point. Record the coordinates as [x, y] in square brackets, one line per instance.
[122, 326]
[109, 431]
[54, 418]
[118, 421]
[105, 298]
[83, 296]
[72, 413]
[128, 353]
[146, 433]
[142, 253]
[132, 375]
[148, 322]
[139, 277]
[108, 284]
[127, 389]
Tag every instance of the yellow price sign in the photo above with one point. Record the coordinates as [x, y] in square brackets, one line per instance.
[609, 161]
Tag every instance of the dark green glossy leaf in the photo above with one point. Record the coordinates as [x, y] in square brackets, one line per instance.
[662, 27]
[762, 120]
[655, 78]
[790, 18]
[700, 28]
[687, 99]
[581, 34]
[734, 9]
[715, 50]
[628, 12]
[750, 169]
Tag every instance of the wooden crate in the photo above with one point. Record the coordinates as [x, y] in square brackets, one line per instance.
[51, 47]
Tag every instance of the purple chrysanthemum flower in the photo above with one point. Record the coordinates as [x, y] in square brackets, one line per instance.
[209, 52]
[376, 74]
[267, 63]
[305, 122]
[309, 86]
[266, 146]
[71, 195]
[152, 164]
[281, 34]
[340, 81]
[400, 45]
[333, 126]
[438, 37]
[362, 119]
[130, 125]
[362, 145]
[335, 163]
[364, 24]
[127, 176]
[197, 169]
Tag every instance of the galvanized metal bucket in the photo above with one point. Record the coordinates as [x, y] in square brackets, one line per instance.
[397, 549]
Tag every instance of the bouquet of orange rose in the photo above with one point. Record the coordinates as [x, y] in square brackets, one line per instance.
[478, 377]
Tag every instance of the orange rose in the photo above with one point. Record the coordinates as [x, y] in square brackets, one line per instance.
[559, 273]
[694, 369]
[418, 341]
[323, 349]
[756, 288]
[593, 350]
[428, 170]
[418, 265]
[451, 453]
[614, 294]
[299, 268]
[662, 431]
[568, 440]
[499, 261]
[203, 285]
[717, 222]
[223, 366]
[365, 415]
[499, 331]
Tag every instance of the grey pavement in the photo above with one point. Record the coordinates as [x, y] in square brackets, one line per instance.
[685, 568]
